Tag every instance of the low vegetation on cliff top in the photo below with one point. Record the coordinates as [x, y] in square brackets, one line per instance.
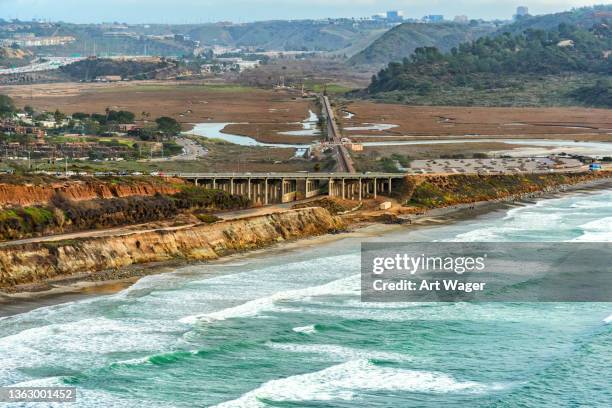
[65, 215]
[444, 191]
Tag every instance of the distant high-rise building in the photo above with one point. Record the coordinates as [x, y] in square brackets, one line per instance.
[522, 11]
[394, 16]
[433, 18]
[461, 19]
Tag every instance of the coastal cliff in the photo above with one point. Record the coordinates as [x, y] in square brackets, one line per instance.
[435, 191]
[35, 262]
[27, 194]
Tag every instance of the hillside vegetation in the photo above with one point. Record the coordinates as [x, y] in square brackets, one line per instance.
[181, 39]
[402, 41]
[585, 17]
[302, 35]
[94, 67]
[65, 215]
[14, 57]
[565, 66]
[444, 191]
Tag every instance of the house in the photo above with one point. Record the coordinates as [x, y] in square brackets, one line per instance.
[108, 78]
[565, 43]
[127, 127]
[23, 130]
[48, 124]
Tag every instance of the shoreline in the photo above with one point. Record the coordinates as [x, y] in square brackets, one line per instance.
[107, 282]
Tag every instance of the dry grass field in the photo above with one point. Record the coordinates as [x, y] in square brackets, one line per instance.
[437, 121]
[262, 114]
[188, 102]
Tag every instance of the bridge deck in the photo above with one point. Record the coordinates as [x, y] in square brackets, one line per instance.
[297, 175]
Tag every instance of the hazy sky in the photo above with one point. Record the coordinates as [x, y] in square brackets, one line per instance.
[193, 11]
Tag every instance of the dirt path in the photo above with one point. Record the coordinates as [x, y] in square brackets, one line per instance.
[130, 229]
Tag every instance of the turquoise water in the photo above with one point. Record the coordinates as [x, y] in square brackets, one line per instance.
[287, 329]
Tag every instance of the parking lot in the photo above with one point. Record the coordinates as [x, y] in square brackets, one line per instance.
[495, 166]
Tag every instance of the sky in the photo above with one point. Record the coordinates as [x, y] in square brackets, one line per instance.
[197, 11]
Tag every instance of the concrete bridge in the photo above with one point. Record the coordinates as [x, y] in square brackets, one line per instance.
[269, 188]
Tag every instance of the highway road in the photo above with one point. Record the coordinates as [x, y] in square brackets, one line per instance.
[38, 65]
[191, 150]
[345, 163]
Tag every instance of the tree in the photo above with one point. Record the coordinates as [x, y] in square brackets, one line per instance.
[91, 127]
[7, 106]
[80, 115]
[58, 116]
[168, 126]
[120, 116]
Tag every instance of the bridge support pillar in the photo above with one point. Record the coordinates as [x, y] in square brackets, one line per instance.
[214, 184]
[390, 180]
[375, 189]
[360, 188]
[266, 191]
[249, 189]
[330, 188]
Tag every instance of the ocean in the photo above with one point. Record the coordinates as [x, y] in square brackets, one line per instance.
[287, 328]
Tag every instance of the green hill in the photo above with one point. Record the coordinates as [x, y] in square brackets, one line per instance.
[402, 40]
[338, 35]
[10, 57]
[584, 17]
[91, 68]
[294, 35]
[564, 66]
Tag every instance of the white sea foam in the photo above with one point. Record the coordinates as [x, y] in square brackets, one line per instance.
[77, 344]
[479, 235]
[517, 221]
[344, 381]
[592, 204]
[339, 352]
[608, 320]
[596, 231]
[305, 329]
[86, 397]
[340, 287]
